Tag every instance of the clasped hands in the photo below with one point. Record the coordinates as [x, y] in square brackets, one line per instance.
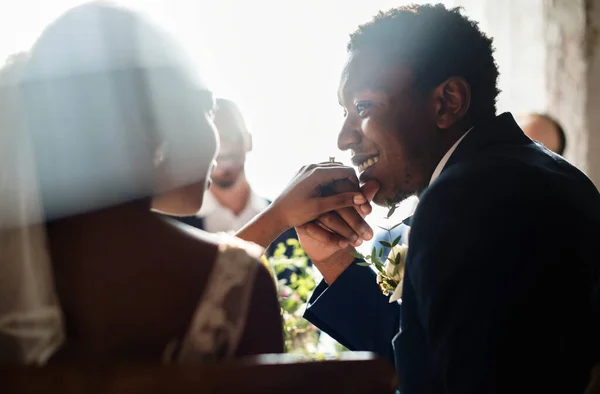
[326, 205]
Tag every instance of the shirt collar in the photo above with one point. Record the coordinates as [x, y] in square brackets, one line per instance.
[257, 203]
[210, 204]
[440, 167]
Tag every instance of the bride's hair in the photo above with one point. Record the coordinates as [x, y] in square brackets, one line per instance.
[103, 90]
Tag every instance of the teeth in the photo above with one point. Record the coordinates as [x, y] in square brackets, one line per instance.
[368, 163]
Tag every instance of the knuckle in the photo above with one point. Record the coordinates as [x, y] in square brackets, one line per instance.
[326, 218]
[320, 206]
[345, 185]
[350, 215]
[331, 237]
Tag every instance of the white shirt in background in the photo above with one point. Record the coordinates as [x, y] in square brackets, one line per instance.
[218, 218]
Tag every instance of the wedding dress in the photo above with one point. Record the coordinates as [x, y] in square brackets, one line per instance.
[220, 317]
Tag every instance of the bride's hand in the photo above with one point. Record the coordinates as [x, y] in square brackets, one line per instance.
[320, 239]
[313, 191]
[344, 220]
[306, 198]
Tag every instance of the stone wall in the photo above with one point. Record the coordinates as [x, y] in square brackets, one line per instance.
[591, 137]
[566, 70]
[517, 29]
[548, 52]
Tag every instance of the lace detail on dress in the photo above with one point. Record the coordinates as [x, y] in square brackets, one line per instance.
[220, 317]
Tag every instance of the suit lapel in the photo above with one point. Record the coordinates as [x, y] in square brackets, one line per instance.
[502, 131]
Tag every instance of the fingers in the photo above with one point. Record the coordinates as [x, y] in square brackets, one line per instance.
[326, 174]
[322, 235]
[369, 190]
[336, 224]
[352, 219]
[347, 222]
[320, 205]
[364, 209]
[341, 186]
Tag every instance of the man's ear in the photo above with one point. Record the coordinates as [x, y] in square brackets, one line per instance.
[452, 100]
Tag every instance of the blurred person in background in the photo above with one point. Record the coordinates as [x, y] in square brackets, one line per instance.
[544, 129]
[230, 202]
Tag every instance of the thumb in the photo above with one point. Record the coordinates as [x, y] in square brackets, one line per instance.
[337, 201]
[370, 189]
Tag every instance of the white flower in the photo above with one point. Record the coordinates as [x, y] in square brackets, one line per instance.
[396, 271]
[397, 293]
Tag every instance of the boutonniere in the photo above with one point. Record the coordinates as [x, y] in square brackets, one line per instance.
[390, 269]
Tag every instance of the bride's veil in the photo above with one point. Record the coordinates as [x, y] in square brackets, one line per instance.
[80, 122]
[31, 326]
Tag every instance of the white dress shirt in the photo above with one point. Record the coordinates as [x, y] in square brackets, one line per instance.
[440, 167]
[218, 218]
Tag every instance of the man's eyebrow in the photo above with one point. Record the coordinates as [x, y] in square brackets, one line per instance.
[365, 88]
[347, 91]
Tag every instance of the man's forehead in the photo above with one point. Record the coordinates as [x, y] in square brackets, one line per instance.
[230, 128]
[231, 125]
[370, 71]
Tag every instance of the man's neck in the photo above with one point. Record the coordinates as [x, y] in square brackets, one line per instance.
[448, 148]
[234, 198]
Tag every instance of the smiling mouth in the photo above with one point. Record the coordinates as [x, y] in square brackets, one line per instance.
[368, 163]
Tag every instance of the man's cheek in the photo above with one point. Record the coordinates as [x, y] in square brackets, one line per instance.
[380, 130]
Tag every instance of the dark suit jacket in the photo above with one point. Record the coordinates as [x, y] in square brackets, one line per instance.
[501, 292]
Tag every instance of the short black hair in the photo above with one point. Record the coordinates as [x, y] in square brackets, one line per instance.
[562, 137]
[436, 43]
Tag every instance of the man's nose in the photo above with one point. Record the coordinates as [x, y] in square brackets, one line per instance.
[348, 136]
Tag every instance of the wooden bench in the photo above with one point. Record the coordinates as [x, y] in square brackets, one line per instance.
[286, 374]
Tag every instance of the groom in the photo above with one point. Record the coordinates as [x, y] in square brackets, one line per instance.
[501, 286]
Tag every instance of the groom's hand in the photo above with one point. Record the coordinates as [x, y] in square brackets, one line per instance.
[319, 238]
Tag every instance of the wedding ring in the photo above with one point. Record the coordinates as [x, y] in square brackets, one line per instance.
[331, 159]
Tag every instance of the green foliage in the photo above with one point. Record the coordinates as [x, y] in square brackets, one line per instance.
[385, 280]
[301, 337]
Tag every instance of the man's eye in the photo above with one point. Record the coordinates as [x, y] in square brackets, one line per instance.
[362, 107]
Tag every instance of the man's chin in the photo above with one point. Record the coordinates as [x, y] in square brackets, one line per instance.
[387, 200]
[381, 200]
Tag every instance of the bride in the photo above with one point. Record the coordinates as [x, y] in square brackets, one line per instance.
[104, 121]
